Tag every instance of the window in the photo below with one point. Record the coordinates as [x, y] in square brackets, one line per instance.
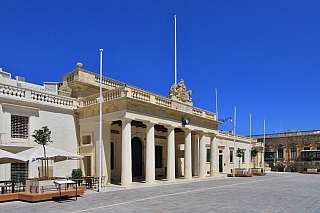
[280, 153]
[19, 172]
[19, 126]
[158, 156]
[293, 152]
[243, 157]
[208, 155]
[112, 155]
[231, 156]
[86, 139]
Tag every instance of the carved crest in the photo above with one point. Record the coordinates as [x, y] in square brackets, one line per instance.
[179, 92]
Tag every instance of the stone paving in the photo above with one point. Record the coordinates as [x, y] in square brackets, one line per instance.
[275, 192]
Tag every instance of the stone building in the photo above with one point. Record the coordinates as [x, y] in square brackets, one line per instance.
[144, 135]
[292, 151]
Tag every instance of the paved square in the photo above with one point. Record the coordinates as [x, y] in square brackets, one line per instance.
[275, 192]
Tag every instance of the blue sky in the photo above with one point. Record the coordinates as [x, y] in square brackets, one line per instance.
[262, 56]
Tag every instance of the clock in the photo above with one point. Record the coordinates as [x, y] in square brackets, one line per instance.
[185, 121]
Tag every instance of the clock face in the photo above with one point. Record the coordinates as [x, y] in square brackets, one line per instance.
[185, 121]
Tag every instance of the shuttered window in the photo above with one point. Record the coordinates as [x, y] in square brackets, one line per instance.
[19, 126]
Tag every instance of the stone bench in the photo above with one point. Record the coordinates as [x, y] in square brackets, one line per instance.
[311, 170]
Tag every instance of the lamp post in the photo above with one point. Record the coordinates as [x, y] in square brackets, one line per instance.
[100, 124]
[226, 119]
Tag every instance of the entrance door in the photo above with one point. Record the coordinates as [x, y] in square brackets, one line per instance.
[136, 153]
[220, 163]
[87, 165]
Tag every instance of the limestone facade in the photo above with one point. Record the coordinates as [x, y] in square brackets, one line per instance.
[289, 151]
[143, 134]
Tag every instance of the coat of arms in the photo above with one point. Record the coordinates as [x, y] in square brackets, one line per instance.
[179, 92]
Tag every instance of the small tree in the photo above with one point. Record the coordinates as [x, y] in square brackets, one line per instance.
[239, 154]
[254, 154]
[311, 157]
[43, 137]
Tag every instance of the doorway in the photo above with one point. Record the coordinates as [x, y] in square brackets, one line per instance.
[136, 153]
[87, 165]
[220, 163]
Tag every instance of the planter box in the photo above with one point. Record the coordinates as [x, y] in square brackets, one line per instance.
[35, 186]
[311, 170]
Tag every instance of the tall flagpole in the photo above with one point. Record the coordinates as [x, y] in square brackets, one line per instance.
[100, 124]
[264, 142]
[250, 144]
[217, 104]
[175, 49]
[234, 139]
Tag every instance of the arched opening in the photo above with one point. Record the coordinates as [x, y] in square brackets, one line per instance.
[136, 153]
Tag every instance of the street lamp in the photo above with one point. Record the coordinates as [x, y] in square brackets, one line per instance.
[226, 119]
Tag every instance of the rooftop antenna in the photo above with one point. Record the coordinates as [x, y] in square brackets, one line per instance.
[175, 49]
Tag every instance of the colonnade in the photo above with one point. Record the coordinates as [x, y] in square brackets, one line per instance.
[126, 158]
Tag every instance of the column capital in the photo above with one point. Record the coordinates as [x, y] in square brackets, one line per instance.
[149, 123]
[107, 122]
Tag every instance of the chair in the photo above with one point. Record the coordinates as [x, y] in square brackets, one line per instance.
[20, 185]
[103, 179]
[96, 181]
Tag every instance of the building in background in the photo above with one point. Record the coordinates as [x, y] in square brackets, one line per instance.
[292, 151]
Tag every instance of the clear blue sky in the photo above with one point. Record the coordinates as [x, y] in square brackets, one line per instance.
[262, 56]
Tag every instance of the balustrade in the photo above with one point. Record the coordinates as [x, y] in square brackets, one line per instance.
[12, 91]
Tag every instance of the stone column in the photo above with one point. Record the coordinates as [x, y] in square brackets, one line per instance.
[187, 155]
[126, 167]
[195, 155]
[150, 154]
[203, 155]
[106, 137]
[213, 156]
[171, 155]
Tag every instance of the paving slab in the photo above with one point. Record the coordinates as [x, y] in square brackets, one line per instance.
[274, 192]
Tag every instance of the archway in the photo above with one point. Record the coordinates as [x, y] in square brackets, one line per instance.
[136, 153]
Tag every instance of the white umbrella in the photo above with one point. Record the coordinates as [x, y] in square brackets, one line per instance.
[8, 157]
[36, 153]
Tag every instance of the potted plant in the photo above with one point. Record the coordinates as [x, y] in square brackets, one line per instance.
[76, 173]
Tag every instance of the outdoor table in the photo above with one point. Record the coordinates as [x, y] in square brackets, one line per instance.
[66, 182]
[89, 181]
[78, 181]
[4, 185]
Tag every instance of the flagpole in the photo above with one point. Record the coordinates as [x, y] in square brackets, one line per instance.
[264, 142]
[100, 124]
[175, 49]
[217, 104]
[234, 140]
[250, 144]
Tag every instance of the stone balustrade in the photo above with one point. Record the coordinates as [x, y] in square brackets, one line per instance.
[145, 96]
[54, 99]
[108, 81]
[12, 91]
[30, 94]
[228, 135]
